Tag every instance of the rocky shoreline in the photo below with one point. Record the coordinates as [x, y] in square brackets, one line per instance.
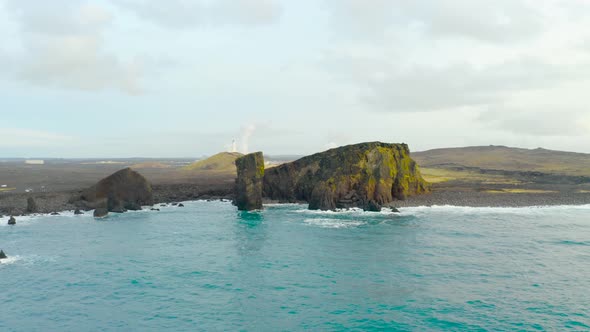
[15, 204]
[47, 203]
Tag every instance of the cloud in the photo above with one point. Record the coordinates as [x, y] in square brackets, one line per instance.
[395, 87]
[18, 137]
[542, 120]
[490, 21]
[63, 47]
[185, 13]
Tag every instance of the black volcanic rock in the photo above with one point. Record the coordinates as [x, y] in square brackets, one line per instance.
[32, 205]
[366, 175]
[12, 221]
[101, 213]
[248, 187]
[121, 191]
[2, 255]
[180, 205]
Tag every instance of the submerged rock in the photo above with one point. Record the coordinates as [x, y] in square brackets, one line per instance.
[180, 205]
[119, 192]
[78, 212]
[32, 205]
[101, 213]
[248, 187]
[366, 175]
[154, 209]
[3, 255]
[12, 221]
[54, 214]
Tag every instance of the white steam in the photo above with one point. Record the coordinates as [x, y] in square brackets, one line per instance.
[247, 131]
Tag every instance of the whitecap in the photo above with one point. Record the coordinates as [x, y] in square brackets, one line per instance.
[9, 260]
[528, 210]
[333, 223]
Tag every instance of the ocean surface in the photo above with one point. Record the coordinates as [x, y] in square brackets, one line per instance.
[207, 267]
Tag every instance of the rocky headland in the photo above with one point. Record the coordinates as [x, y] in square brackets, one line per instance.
[366, 175]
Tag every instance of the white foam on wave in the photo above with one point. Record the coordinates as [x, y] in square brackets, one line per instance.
[333, 223]
[493, 210]
[351, 212]
[9, 260]
[33, 218]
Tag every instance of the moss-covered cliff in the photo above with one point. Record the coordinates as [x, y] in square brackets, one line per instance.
[248, 190]
[365, 175]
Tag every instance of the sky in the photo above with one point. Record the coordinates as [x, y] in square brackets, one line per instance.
[180, 78]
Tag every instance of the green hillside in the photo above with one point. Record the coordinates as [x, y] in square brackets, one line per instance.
[223, 162]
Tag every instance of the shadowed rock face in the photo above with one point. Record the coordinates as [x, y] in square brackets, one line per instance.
[121, 191]
[248, 189]
[32, 205]
[366, 175]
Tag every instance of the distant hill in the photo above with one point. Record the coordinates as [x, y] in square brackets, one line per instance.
[150, 164]
[507, 158]
[221, 162]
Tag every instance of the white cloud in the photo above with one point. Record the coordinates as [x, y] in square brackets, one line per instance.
[62, 46]
[492, 21]
[190, 13]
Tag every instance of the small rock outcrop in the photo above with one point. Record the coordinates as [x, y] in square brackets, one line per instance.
[248, 187]
[78, 212]
[366, 175]
[101, 212]
[119, 192]
[32, 205]
[3, 255]
[12, 221]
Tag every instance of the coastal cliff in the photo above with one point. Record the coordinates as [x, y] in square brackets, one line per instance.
[248, 189]
[365, 175]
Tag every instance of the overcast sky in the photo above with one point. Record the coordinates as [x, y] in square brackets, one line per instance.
[180, 78]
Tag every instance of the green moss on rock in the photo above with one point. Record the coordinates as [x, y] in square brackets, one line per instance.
[248, 188]
[366, 175]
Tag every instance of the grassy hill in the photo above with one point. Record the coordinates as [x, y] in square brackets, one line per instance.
[506, 158]
[223, 162]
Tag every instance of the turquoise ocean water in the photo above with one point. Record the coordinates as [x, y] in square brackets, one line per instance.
[207, 267]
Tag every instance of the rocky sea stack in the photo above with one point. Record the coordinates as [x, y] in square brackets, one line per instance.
[2, 255]
[121, 191]
[365, 175]
[248, 189]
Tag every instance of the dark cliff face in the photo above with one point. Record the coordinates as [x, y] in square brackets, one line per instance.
[366, 175]
[248, 190]
[123, 190]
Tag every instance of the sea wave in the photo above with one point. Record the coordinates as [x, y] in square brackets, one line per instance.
[10, 260]
[352, 211]
[333, 223]
[495, 210]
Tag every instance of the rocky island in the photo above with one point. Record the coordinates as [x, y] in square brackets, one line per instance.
[367, 175]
